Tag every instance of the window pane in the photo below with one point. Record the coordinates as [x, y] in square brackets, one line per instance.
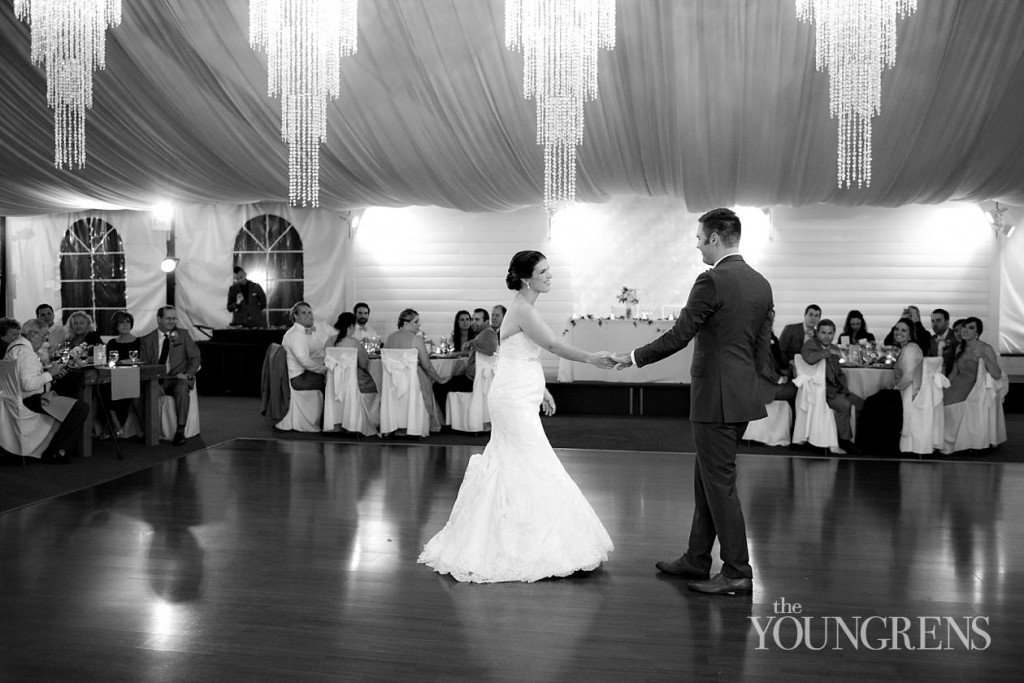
[105, 320]
[286, 266]
[245, 241]
[75, 296]
[75, 267]
[108, 266]
[291, 241]
[283, 293]
[110, 293]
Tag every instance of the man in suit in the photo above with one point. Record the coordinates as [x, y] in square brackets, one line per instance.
[246, 301]
[794, 336]
[729, 316]
[943, 343]
[838, 396]
[173, 347]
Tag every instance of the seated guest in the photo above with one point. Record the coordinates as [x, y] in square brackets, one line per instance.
[363, 329]
[408, 337]
[839, 398]
[485, 342]
[776, 379]
[794, 336]
[246, 301]
[37, 396]
[10, 329]
[855, 328]
[80, 331]
[346, 327]
[173, 347]
[882, 418]
[965, 369]
[124, 343]
[919, 335]
[943, 342]
[44, 312]
[304, 344]
[497, 315]
[462, 331]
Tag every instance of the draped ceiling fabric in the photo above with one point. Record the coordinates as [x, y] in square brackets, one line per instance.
[716, 102]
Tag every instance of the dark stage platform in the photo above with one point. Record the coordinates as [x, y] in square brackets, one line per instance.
[266, 560]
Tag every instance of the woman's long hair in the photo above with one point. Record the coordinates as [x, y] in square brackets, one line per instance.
[457, 331]
[862, 333]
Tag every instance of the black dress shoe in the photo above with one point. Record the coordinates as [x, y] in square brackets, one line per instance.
[720, 585]
[179, 438]
[682, 568]
[849, 447]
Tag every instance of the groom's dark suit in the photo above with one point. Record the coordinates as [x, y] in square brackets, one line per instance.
[729, 316]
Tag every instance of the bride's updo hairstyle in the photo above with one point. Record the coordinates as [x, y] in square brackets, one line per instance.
[521, 268]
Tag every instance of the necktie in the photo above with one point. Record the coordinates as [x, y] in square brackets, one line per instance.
[165, 349]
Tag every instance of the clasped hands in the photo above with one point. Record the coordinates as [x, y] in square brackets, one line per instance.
[608, 360]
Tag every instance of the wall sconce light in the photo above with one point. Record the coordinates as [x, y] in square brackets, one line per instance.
[169, 264]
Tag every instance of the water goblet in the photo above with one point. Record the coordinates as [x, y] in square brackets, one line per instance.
[112, 358]
[133, 356]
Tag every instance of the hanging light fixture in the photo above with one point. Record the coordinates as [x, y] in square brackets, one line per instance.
[559, 40]
[304, 41]
[69, 41]
[855, 41]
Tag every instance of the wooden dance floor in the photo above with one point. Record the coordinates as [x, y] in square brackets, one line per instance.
[265, 560]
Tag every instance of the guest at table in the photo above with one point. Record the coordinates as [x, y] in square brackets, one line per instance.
[56, 335]
[246, 301]
[943, 342]
[81, 331]
[497, 315]
[37, 396]
[363, 329]
[304, 344]
[408, 337]
[485, 341]
[124, 344]
[919, 335]
[794, 336]
[462, 331]
[346, 327]
[965, 369]
[856, 329]
[174, 348]
[881, 420]
[776, 377]
[10, 329]
[839, 398]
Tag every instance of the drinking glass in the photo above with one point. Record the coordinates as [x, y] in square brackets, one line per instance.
[133, 356]
[112, 358]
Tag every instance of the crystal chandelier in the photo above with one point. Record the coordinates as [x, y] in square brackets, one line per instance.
[69, 41]
[304, 41]
[559, 40]
[855, 41]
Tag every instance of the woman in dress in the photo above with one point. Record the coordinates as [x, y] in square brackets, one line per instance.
[80, 331]
[881, 421]
[408, 337]
[918, 333]
[965, 369]
[519, 516]
[855, 328]
[124, 343]
[462, 331]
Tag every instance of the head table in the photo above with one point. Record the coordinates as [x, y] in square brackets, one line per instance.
[622, 335]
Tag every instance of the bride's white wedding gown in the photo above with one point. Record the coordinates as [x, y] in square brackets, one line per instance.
[519, 516]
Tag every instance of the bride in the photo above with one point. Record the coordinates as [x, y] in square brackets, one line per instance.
[519, 516]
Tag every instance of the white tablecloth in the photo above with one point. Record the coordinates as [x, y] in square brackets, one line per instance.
[622, 336]
[867, 381]
[445, 367]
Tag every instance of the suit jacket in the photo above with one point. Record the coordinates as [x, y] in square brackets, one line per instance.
[250, 311]
[183, 356]
[729, 316]
[835, 379]
[948, 350]
[791, 341]
[774, 368]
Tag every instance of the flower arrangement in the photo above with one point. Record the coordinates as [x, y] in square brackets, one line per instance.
[628, 297]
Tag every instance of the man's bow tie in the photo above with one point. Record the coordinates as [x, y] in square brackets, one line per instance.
[311, 330]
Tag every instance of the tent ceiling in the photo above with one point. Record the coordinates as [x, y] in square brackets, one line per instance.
[714, 101]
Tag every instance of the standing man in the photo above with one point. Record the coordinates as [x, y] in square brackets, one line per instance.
[304, 344]
[943, 343]
[363, 330]
[729, 316]
[246, 301]
[794, 336]
[172, 347]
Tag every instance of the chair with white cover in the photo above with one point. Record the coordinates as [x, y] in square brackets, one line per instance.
[169, 415]
[305, 411]
[774, 429]
[467, 411]
[977, 422]
[22, 432]
[923, 416]
[814, 421]
[344, 405]
[401, 400]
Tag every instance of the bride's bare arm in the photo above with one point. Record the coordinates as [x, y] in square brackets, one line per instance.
[537, 330]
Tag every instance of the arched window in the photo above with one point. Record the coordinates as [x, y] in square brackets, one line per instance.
[92, 271]
[270, 250]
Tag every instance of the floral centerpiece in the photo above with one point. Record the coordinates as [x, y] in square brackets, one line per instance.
[628, 296]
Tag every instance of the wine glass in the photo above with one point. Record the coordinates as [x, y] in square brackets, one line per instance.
[133, 356]
[112, 358]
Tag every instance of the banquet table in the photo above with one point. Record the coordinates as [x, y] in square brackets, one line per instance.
[86, 377]
[622, 335]
[867, 380]
[446, 366]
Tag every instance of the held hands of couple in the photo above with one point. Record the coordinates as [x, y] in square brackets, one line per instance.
[609, 360]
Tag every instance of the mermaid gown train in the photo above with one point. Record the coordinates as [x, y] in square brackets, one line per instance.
[519, 516]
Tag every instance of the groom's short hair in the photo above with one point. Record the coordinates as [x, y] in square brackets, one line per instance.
[723, 221]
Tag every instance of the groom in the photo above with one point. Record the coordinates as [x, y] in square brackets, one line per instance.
[729, 316]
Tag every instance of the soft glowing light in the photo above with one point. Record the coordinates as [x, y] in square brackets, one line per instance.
[169, 264]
